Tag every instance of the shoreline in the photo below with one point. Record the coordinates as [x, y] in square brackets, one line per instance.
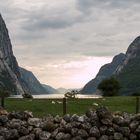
[58, 96]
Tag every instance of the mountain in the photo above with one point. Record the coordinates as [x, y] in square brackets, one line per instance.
[50, 89]
[62, 90]
[9, 71]
[105, 71]
[30, 82]
[128, 72]
[13, 78]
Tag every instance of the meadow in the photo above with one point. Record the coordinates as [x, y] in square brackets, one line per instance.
[43, 107]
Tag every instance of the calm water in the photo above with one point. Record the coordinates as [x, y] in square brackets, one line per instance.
[53, 96]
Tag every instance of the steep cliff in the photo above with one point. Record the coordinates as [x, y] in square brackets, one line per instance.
[50, 89]
[9, 71]
[105, 72]
[30, 82]
[128, 73]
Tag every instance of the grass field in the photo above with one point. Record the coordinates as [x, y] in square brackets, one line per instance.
[42, 107]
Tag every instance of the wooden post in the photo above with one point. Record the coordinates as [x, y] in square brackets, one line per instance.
[64, 106]
[137, 104]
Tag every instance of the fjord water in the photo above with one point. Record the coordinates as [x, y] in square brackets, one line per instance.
[57, 96]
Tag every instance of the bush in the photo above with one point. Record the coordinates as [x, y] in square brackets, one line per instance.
[71, 95]
[109, 87]
[26, 95]
[136, 94]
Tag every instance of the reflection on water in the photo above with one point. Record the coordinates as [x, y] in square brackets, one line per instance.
[52, 96]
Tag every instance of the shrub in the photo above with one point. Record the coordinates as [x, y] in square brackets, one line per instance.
[136, 94]
[26, 95]
[109, 87]
[72, 94]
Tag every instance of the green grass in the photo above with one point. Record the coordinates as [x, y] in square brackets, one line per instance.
[42, 107]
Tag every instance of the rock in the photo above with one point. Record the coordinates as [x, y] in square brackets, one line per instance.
[132, 137]
[103, 137]
[103, 129]
[48, 126]
[63, 123]
[67, 137]
[86, 126]
[116, 127]
[44, 135]
[91, 138]
[82, 133]
[57, 119]
[60, 136]
[68, 127]
[36, 122]
[74, 117]
[81, 119]
[54, 133]
[94, 131]
[125, 131]
[103, 112]
[136, 117]
[67, 118]
[138, 130]
[9, 134]
[74, 131]
[90, 127]
[28, 137]
[111, 137]
[1, 138]
[37, 131]
[106, 121]
[16, 115]
[110, 131]
[89, 113]
[133, 125]
[3, 119]
[27, 115]
[23, 131]
[77, 138]
[118, 120]
[30, 128]
[16, 123]
[118, 136]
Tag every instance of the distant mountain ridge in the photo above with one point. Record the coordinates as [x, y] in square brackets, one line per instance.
[125, 67]
[128, 73]
[50, 89]
[31, 82]
[105, 71]
[13, 78]
[10, 77]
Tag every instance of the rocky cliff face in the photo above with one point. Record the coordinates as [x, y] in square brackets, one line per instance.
[9, 71]
[128, 73]
[30, 82]
[105, 72]
[50, 89]
[125, 67]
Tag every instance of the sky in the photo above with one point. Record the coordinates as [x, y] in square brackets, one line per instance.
[65, 42]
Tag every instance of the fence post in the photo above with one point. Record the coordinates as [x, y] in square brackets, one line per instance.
[137, 104]
[64, 106]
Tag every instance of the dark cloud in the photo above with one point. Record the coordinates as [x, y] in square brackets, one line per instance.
[47, 33]
[85, 5]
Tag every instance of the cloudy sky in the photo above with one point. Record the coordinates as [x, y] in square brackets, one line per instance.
[64, 42]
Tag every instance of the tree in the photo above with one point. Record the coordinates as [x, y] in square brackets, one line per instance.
[109, 87]
[3, 93]
[136, 94]
[26, 95]
[72, 94]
